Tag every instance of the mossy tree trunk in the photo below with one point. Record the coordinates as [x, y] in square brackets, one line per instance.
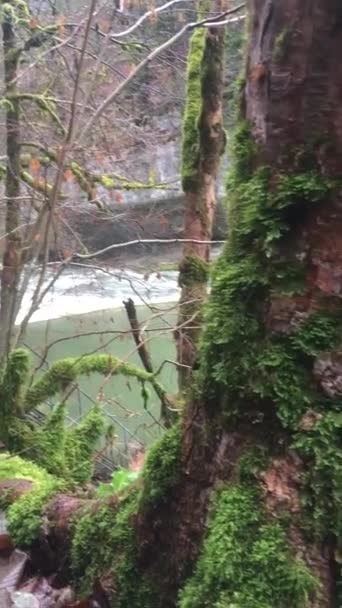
[203, 145]
[267, 413]
[12, 249]
[241, 508]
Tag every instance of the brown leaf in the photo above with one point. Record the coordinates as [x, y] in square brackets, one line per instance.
[35, 165]
[33, 23]
[60, 22]
[68, 175]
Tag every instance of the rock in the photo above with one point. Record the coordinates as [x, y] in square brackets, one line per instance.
[24, 600]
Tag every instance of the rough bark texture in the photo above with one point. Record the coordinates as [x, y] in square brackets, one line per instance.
[291, 109]
[203, 145]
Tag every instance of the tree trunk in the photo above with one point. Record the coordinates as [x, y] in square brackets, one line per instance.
[203, 145]
[270, 366]
[242, 507]
[12, 252]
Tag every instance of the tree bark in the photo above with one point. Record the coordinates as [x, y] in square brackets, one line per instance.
[12, 252]
[203, 145]
[268, 375]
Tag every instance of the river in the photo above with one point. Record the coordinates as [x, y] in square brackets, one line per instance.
[82, 314]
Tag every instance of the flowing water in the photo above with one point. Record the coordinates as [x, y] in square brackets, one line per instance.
[82, 314]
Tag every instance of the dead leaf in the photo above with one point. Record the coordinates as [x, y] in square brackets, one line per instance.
[35, 165]
[60, 22]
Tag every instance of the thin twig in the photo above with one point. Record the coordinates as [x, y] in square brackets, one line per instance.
[89, 256]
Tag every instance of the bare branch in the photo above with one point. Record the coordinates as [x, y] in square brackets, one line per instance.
[114, 94]
[89, 256]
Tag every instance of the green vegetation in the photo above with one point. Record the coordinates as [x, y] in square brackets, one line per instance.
[12, 381]
[63, 452]
[62, 373]
[163, 465]
[320, 445]
[104, 542]
[272, 370]
[193, 269]
[193, 108]
[121, 479]
[25, 515]
[246, 561]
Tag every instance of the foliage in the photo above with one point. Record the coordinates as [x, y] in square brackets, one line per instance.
[121, 479]
[162, 467]
[246, 561]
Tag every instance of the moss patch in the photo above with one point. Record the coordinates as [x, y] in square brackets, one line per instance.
[193, 269]
[25, 515]
[162, 467]
[193, 108]
[240, 533]
[12, 382]
[267, 377]
[67, 452]
[104, 544]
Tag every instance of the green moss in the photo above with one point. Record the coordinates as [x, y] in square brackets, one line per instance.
[320, 446]
[12, 381]
[239, 532]
[80, 444]
[25, 515]
[249, 373]
[14, 467]
[263, 208]
[193, 108]
[251, 463]
[162, 467]
[243, 150]
[193, 269]
[62, 373]
[281, 45]
[65, 452]
[104, 543]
